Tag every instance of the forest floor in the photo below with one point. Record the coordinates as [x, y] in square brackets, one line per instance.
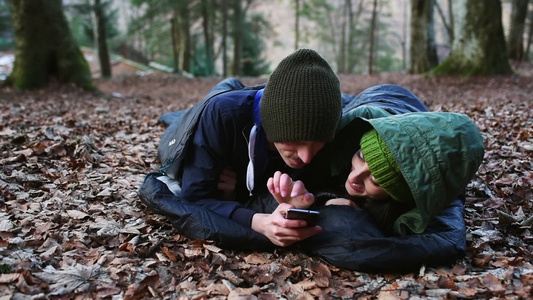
[72, 226]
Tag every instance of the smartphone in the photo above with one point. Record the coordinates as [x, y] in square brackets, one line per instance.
[310, 216]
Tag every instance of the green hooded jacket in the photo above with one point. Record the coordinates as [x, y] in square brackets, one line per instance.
[438, 154]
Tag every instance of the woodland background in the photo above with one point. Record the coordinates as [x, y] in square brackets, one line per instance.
[76, 142]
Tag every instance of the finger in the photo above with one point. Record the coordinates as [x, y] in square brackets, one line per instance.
[298, 189]
[270, 185]
[309, 199]
[285, 185]
[277, 176]
[309, 232]
[290, 236]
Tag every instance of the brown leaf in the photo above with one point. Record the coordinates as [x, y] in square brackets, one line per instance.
[482, 259]
[321, 280]
[212, 248]
[493, 284]
[169, 253]
[71, 279]
[256, 259]
[9, 278]
[76, 214]
[446, 283]
[306, 284]
[468, 291]
[229, 275]
[459, 269]
[215, 289]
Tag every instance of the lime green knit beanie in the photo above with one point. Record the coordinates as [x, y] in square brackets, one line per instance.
[301, 100]
[383, 166]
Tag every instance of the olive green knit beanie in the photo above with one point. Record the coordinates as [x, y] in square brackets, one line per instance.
[302, 100]
[384, 168]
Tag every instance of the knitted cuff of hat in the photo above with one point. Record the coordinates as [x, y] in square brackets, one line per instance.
[302, 100]
[383, 166]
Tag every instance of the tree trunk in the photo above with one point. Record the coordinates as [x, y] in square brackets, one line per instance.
[479, 43]
[101, 40]
[185, 36]
[404, 35]
[224, 41]
[423, 52]
[447, 23]
[208, 39]
[45, 47]
[452, 20]
[341, 63]
[372, 30]
[352, 35]
[237, 38]
[529, 38]
[515, 41]
[175, 41]
[296, 24]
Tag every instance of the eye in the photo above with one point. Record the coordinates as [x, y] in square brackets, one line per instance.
[360, 155]
[374, 182]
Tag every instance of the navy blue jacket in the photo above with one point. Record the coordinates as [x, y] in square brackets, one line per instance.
[218, 140]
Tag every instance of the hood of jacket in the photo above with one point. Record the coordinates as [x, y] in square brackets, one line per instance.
[437, 153]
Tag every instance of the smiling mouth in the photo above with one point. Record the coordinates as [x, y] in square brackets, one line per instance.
[356, 187]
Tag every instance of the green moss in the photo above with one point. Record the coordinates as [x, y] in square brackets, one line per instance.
[5, 268]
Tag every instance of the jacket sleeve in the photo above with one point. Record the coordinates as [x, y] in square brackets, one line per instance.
[197, 222]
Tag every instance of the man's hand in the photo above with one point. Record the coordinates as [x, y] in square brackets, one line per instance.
[285, 190]
[280, 231]
[226, 184]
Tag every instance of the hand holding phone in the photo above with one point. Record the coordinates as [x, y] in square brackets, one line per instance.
[310, 216]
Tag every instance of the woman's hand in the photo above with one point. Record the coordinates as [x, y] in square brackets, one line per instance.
[341, 201]
[226, 184]
[285, 190]
[280, 231]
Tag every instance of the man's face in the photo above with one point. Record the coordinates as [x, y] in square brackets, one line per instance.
[298, 154]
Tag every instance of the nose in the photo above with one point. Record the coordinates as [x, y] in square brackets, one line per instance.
[359, 173]
[307, 151]
[306, 155]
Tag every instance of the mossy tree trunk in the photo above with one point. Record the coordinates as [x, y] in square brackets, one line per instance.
[479, 43]
[423, 52]
[44, 46]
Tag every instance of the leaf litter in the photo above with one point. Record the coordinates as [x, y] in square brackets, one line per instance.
[72, 226]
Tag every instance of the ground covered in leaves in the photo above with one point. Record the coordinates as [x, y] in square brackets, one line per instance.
[72, 226]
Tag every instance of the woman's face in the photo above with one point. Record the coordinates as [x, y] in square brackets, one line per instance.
[361, 182]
